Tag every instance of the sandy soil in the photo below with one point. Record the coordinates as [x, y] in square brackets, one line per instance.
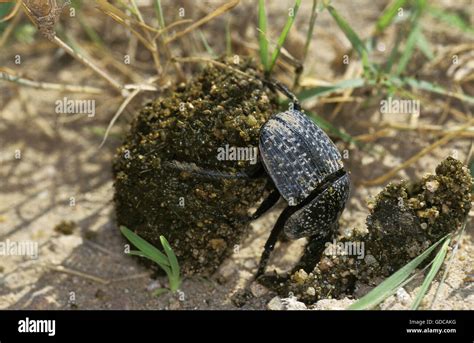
[62, 175]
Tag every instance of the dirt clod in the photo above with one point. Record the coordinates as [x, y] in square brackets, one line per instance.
[65, 227]
[405, 220]
[202, 216]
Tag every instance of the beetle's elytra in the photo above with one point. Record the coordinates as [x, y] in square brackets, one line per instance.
[297, 155]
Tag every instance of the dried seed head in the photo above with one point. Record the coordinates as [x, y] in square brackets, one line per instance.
[45, 14]
[40, 8]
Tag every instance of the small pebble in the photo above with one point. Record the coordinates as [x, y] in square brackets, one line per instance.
[275, 304]
[300, 276]
[432, 186]
[403, 296]
[226, 271]
[258, 290]
[311, 291]
[292, 304]
[250, 264]
[154, 285]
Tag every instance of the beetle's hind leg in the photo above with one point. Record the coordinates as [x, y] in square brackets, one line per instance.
[312, 253]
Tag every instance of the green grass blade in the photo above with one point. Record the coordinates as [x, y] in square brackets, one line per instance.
[431, 87]
[309, 34]
[228, 38]
[162, 266]
[160, 291]
[437, 263]
[356, 42]
[323, 90]
[410, 44]
[262, 32]
[137, 253]
[387, 16]
[89, 30]
[171, 255]
[394, 54]
[175, 271]
[451, 19]
[424, 46]
[208, 48]
[149, 250]
[5, 9]
[409, 279]
[413, 36]
[159, 13]
[284, 34]
[133, 8]
[392, 283]
[330, 128]
[24, 33]
[450, 262]
[168, 262]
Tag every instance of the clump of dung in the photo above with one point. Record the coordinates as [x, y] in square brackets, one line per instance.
[203, 217]
[405, 219]
[66, 227]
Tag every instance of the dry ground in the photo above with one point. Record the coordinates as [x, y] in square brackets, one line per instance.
[60, 159]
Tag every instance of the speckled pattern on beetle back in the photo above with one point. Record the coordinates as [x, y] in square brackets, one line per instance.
[302, 158]
[203, 219]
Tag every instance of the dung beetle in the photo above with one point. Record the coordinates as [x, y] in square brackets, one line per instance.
[306, 170]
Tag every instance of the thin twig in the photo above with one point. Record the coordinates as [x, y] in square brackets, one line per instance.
[394, 171]
[13, 12]
[217, 12]
[154, 50]
[56, 40]
[62, 269]
[50, 86]
[119, 112]
[141, 86]
[427, 127]
[131, 277]
[10, 27]
[90, 64]
[309, 35]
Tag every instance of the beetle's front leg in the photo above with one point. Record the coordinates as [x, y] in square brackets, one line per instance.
[273, 238]
[266, 204]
